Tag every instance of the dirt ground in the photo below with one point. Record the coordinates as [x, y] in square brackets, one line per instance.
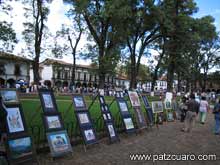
[167, 139]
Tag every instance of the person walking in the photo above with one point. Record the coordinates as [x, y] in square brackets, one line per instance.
[191, 113]
[216, 112]
[183, 109]
[203, 109]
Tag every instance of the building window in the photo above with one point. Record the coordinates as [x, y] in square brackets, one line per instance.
[2, 69]
[58, 74]
[66, 75]
[84, 76]
[78, 75]
[17, 71]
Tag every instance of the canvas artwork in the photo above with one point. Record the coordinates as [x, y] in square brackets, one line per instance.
[14, 120]
[134, 99]
[106, 107]
[101, 100]
[20, 147]
[9, 96]
[53, 122]
[157, 106]
[103, 108]
[89, 134]
[109, 116]
[104, 116]
[139, 115]
[83, 118]
[59, 142]
[128, 123]
[111, 130]
[78, 100]
[47, 100]
[167, 104]
[123, 106]
[170, 116]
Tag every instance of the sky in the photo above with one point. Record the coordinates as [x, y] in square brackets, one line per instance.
[56, 18]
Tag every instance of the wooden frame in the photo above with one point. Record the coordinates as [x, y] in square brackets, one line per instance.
[167, 104]
[20, 149]
[9, 96]
[16, 124]
[134, 99]
[52, 122]
[79, 102]
[83, 118]
[59, 143]
[157, 106]
[48, 101]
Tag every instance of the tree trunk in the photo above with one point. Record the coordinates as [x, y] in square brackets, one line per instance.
[170, 76]
[73, 69]
[36, 70]
[179, 82]
[133, 80]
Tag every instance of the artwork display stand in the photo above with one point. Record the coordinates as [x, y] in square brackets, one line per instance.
[84, 120]
[158, 110]
[149, 111]
[168, 111]
[19, 145]
[55, 132]
[125, 113]
[108, 120]
[136, 105]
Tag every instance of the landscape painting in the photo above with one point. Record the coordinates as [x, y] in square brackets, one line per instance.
[20, 147]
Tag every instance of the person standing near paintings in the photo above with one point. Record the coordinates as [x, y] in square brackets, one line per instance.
[191, 113]
[216, 112]
[203, 109]
[3, 135]
[183, 109]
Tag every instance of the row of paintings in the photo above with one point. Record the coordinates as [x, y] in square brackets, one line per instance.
[107, 117]
[19, 144]
[84, 119]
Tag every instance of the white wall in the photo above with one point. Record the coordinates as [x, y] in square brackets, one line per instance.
[47, 73]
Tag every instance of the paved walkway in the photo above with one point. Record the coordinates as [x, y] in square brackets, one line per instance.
[167, 139]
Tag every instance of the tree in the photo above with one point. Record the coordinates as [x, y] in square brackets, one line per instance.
[103, 19]
[141, 29]
[37, 13]
[72, 35]
[176, 26]
[7, 33]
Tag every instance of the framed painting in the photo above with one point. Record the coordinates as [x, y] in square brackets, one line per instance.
[59, 143]
[139, 115]
[83, 118]
[135, 102]
[15, 120]
[47, 100]
[20, 149]
[168, 104]
[128, 123]
[52, 122]
[157, 106]
[79, 102]
[123, 106]
[89, 136]
[111, 130]
[9, 96]
[101, 100]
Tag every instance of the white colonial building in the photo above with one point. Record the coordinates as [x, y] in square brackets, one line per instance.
[58, 73]
[13, 68]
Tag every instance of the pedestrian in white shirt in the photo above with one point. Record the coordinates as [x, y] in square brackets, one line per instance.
[203, 109]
